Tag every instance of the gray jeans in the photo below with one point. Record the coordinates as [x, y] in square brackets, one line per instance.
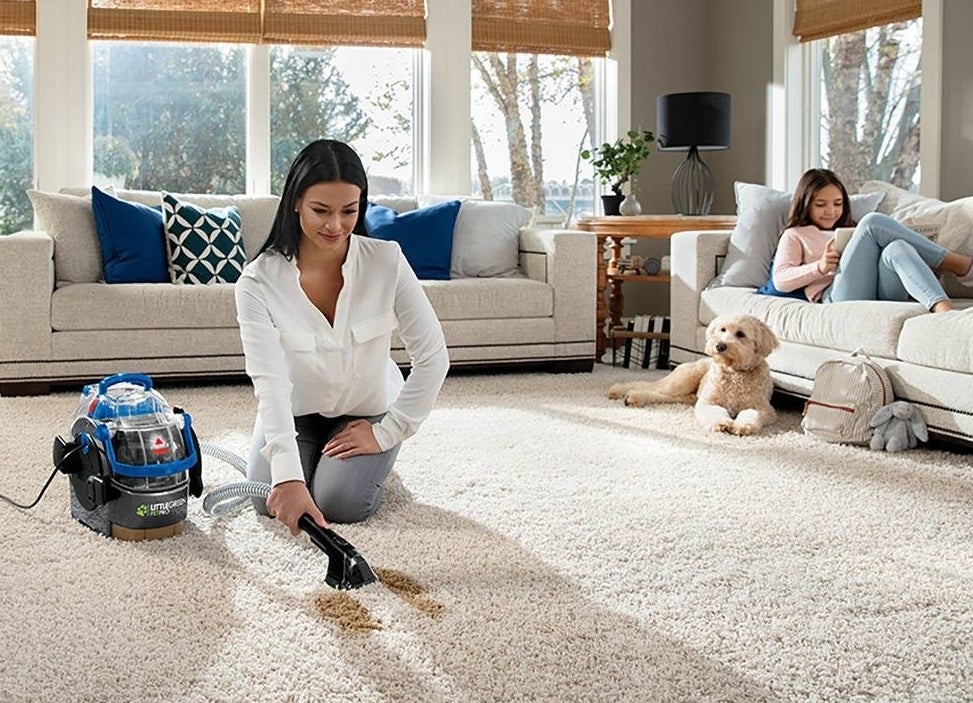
[345, 490]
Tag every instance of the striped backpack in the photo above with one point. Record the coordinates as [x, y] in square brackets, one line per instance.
[846, 394]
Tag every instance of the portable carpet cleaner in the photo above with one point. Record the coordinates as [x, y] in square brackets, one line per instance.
[133, 460]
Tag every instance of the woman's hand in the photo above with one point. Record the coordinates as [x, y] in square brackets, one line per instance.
[291, 499]
[828, 262]
[354, 438]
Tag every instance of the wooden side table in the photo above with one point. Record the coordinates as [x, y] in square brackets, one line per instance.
[616, 228]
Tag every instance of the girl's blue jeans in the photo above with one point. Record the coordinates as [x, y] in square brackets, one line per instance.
[887, 261]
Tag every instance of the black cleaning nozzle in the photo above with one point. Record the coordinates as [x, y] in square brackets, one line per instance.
[347, 568]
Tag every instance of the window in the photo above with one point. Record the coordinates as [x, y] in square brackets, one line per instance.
[532, 115]
[532, 101]
[171, 84]
[16, 132]
[869, 95]
[170, 116]
[358, 95]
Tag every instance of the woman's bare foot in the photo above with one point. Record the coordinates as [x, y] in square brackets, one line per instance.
[943, 306]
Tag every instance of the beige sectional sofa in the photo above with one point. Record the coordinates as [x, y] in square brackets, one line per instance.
[929, 357]
[61, 325]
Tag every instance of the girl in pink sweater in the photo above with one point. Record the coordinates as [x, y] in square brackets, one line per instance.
[883, 261]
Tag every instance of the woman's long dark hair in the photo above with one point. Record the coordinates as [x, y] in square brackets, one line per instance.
[321, 161]
[811, 182]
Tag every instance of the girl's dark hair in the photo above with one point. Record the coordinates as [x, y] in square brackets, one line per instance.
[321, 161]
[811, 182]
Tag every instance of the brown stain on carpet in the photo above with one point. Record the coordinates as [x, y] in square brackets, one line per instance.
[346, 612]
[409, 590]
[351, 616]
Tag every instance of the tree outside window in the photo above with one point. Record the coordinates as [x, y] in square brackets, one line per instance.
[16, 132]
[870, 89]
[173, 116]
[532, 115]
[358, 95]
[178, 109]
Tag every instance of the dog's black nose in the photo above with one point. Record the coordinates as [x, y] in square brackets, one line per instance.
[720, 347]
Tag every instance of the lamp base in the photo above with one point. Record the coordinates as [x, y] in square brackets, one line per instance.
[693, 186]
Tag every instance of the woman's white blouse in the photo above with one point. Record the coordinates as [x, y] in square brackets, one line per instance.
[300, 364]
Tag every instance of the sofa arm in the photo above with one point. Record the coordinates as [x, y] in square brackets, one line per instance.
[26, 286]
[566, 260]
[696, 258]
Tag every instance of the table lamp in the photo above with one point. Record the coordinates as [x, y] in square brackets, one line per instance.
[693, 122]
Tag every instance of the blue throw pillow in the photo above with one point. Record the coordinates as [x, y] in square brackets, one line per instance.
[425, 235]
[133, 246]
[769, 288]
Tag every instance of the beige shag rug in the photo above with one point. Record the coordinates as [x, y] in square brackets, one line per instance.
[538, 543]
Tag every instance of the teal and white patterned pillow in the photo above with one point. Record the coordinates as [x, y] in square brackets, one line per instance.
[204, 245]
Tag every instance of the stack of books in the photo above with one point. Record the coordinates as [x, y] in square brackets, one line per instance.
[647, 353]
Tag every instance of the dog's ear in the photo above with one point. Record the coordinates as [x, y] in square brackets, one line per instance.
[766, 339]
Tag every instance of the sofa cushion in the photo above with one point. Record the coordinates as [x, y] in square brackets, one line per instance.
[71, 223]
[871, 325]
[761, 216]
[490, 298]
[425, 235]
[940, 341]
[133, 246]
[131, 306]
[145, 306]
[205, 245]
[486, 239]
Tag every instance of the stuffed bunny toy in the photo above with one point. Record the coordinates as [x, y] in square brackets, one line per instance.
[897, 426]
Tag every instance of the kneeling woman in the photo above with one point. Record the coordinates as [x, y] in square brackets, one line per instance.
[316, 308]
[883, 261]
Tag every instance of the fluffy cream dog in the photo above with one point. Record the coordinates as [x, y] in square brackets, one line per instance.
[731, 388]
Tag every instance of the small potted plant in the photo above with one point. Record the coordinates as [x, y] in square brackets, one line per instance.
[618, 162]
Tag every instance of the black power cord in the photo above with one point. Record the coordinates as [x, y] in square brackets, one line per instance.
[50, 478]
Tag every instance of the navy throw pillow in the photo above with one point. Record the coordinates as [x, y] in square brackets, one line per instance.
[425, 235]
[769, 288]
[132, 243]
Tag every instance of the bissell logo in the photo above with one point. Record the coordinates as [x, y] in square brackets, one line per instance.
[157, 445]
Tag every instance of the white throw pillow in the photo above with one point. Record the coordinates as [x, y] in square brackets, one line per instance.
[950, 223]
[399, 203]
[71, 223]
[486, 239]
[761, 215]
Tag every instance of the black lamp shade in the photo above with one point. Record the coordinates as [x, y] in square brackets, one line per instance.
[686, 120]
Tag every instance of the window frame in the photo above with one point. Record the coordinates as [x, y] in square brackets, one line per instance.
[793, 139]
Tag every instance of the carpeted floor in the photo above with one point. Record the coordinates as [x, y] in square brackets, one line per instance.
[538, 543]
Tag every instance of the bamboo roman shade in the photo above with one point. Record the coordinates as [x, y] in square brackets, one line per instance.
[817, 19]
[175, 20]
[571, 27]
[318, 22]
[18, 17]
[345, 22]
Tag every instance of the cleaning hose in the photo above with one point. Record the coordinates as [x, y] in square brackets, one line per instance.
[230, 497]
